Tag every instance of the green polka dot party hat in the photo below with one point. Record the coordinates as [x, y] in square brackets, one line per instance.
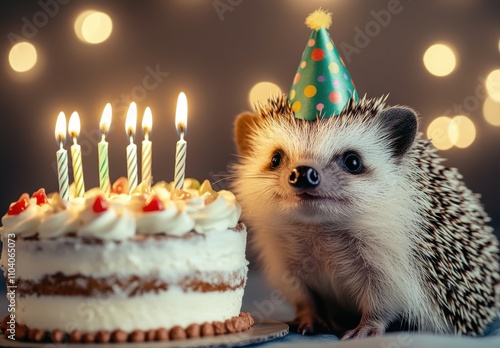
[322, 85]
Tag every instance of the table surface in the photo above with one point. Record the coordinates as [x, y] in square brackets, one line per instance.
[266, 303]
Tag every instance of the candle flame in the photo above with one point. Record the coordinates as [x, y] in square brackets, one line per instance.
[61, 128]
[74, 124]
[131, 120]
[106, 118]
[181, 113]
[147, 120]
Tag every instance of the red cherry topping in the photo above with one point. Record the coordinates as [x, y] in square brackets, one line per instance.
[120, 186]
[41, 197]
[100, 204]
[153, 204]
[21, 205]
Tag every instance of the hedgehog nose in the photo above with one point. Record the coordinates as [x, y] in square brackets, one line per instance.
[304, 177]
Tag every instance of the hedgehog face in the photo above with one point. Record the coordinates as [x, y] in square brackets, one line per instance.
[324, 170]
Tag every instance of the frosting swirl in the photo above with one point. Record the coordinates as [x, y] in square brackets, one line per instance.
[171, 221]
[110, 224]
[222, 212]
[24, 223]
[58, 219]
[123, 215]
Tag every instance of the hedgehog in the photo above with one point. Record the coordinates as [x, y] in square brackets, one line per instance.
[356, 219]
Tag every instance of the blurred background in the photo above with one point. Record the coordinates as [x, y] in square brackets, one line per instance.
[440, 57]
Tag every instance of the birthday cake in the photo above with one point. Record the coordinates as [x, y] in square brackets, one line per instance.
[157, 264]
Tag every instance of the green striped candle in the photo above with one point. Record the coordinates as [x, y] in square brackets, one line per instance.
[102, 151]
[76, 154]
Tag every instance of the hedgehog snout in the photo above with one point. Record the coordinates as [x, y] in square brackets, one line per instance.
[304, 177]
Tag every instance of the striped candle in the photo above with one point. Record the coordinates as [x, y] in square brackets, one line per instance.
[132, 165]
[147, 148]
[180, 149]
[62, 157]
[180, 163]
[104, 183]
[76, 154]
[102, 147]
[62, 172]
[130, 125]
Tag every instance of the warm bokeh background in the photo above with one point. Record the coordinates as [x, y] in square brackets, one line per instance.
[216, 51]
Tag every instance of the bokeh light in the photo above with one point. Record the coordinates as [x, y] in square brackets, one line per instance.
[79, 22]
[461, 131]
[22, 56]
[438, 133]
[491, 111]
[440, 60]
[262, 91]
[93, 27]
[493, 84]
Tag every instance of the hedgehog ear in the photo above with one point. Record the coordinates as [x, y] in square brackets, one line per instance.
[244, 127]
[400, 124]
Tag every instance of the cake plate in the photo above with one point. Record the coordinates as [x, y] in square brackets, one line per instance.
[261, 331]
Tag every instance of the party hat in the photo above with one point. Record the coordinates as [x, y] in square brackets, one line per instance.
[322, 85]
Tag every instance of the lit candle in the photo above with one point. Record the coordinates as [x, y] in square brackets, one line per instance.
[147, 124]
[102, 148]
[76, 154]
[62, 157]
[130, 124]
[180, 150]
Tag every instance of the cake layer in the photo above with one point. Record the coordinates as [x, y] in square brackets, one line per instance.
[166, 258]
[174, 307]
[78, 285]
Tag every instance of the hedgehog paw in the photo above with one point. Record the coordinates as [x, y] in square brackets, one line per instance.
[306, 322]
[365, 329]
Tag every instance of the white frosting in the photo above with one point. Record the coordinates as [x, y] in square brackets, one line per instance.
[172, 220]
[132, 203]
[146, 312]
[58, 220]
[125, 217]
[24, 223]
[111, 224]
[218, 214]
[57, 224]
[170, 259]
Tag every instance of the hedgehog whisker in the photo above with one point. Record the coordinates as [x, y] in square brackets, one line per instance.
[253, 176]
[220, 180]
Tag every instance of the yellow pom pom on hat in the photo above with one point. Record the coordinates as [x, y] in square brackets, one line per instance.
[322, 85]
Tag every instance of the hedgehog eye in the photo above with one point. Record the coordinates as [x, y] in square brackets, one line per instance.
[276, 159]
[352, 162]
